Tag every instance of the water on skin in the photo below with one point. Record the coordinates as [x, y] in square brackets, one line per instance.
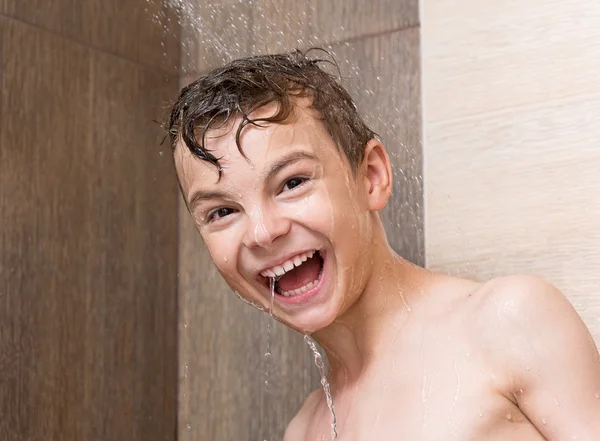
[248, 302]
[320, 365]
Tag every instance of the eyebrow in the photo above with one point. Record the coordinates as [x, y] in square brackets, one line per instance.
[201, 195]
[286, 160]
[276, 167]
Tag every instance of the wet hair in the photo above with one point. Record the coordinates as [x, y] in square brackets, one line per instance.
[247, 84]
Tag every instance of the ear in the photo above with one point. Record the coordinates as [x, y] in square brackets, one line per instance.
[376, 171]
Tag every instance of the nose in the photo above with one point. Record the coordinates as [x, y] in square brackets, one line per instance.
[264, 227]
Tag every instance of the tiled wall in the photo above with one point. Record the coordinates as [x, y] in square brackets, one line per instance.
[221, 340]
[511, 151]
[88, 216]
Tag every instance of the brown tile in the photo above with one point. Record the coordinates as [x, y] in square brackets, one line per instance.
[288, 25]
[136, 194]
[89, 245]
[281, 26]
[343, 19]
[44, 107]
[227, 29]
[383, 75]
[214, 34]
[146, 31]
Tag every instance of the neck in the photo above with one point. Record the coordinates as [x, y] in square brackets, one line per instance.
[366, 331]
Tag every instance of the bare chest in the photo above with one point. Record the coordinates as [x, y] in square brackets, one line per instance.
[455, 402]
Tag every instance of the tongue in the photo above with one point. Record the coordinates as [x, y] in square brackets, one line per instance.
[301, 275]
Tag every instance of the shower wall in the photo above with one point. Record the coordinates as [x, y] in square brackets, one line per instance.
[511, 150]
[222, 341]
[88, 222]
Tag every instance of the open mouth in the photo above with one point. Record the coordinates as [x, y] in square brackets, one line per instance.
[301, 278]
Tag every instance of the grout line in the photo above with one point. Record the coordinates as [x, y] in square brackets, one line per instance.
[92, 47]
[196, 73]
[372, 35]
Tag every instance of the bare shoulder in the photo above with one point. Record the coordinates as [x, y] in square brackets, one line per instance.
[516, 314]
[517, 304]
[520, 299]
[541, 353]
[296, 429]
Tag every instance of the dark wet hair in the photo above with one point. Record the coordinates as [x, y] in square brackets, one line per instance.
[247, 84]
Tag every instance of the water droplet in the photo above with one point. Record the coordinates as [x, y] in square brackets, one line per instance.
[189, 426]
[225, 259]
[543, 421]
[556, 402]
[480, 414]
[597, 395]
[509, 416]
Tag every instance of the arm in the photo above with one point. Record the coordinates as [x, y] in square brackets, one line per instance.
[552, 361]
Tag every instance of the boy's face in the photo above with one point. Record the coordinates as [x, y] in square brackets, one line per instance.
[294, 195]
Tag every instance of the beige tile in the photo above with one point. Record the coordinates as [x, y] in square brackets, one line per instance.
[146, 31]
[516, 191]
[383, 75]
[481, 56]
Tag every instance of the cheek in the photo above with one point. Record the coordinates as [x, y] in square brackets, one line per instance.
[314, 211]
[223, 254]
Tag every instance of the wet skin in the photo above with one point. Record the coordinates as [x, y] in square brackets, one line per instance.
[413, 354]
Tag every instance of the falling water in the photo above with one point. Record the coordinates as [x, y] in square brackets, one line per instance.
[270, 324]
[319, 362]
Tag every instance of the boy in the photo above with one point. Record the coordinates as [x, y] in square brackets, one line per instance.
[284, 181]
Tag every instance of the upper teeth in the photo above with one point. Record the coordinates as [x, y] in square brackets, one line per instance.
[280, 270]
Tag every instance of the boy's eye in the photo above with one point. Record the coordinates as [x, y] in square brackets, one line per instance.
[219, 213]
[293, 183]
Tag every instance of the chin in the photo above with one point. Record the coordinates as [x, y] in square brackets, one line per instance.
[312, 320]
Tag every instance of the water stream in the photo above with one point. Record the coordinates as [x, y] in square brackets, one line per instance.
[318, 361]
[270, 324]
[268, 354]
[321, 366]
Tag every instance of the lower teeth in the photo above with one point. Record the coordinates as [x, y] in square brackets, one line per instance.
[300, 290]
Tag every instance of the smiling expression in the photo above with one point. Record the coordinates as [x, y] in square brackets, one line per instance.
[293, 201]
